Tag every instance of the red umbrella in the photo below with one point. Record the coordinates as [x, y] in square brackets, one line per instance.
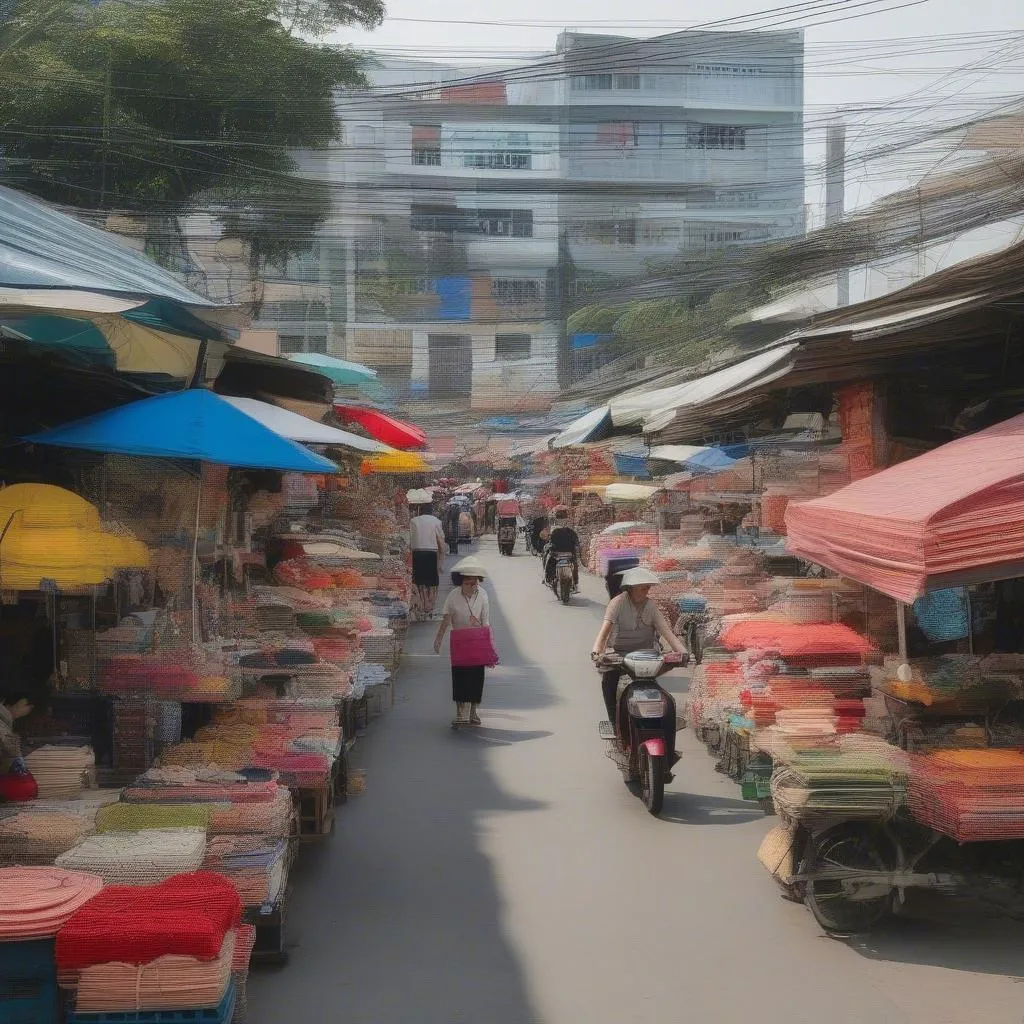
[383, 428]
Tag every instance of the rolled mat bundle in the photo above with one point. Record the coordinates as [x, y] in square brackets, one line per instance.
[36, 902]
[187, 915]
[255, 866]
[138, 858]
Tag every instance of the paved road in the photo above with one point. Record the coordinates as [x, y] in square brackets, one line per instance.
[506, 876]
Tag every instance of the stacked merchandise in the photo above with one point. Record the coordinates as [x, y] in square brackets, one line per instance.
[860, 778]
[969, 795]
[62, 772]
[35, 903]
[138, 858]
[166, 947]
[39, 831]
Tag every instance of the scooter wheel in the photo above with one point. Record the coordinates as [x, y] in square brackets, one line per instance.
[652, 781]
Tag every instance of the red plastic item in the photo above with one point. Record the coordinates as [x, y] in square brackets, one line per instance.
[16, 789]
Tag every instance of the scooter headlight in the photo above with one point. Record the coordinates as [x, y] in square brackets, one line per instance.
[647, 702]
[643, 664]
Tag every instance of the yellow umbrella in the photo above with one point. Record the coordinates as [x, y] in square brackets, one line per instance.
[395, 461]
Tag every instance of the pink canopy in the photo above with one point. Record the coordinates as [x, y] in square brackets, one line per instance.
[948, 518]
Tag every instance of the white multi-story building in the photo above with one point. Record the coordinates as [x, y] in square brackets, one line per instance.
[473, 203]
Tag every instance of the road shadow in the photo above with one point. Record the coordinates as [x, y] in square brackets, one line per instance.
[698, 809]
[944, 933]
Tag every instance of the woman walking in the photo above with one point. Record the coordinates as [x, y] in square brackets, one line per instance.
[465, 606]
[426, 538]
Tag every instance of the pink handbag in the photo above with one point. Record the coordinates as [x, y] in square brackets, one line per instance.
[472, 646]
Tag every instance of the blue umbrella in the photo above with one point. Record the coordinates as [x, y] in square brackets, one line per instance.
[193, 424]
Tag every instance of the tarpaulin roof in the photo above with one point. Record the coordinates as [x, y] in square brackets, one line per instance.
[656, 409]
[947, 518]
[588, 427]
[193, 424]
[41, 247]
[384, 428]
[300, 428]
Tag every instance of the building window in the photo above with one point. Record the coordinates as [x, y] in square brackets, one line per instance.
[715, 136]
[499, 160]
[592, 83]
[514, 291]
[629, 81]
[512, 346]
[506, 223]
[437, 217]
[426, 145]
[300, 343]
[605, 232]
[622, 134]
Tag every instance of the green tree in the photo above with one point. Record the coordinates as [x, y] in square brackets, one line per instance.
[164, 106]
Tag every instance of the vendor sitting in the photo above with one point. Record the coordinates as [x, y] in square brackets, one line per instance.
[13, 707]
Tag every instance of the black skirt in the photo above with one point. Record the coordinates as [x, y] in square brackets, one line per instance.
[424, 568]
[468, 684]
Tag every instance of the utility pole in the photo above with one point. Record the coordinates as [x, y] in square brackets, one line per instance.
[835, 195]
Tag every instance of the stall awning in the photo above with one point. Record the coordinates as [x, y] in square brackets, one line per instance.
[384, 428]
[302, 429]
[589, 427]
[947, 518]
[193, 424]
[40, 247]
[395, 462]
[341, 371]
[656, 409]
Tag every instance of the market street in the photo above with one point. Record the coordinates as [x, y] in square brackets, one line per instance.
[506, 876]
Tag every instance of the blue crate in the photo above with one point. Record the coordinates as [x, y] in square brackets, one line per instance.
[204, 1015]
[30, 1001]
[31, 960]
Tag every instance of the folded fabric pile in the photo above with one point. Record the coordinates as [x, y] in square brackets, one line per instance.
[970, 795]
[158, 947]
[136, 817]
[254, 865]
[233, 807]
[61, 771]
[36, 902]
[138, 858]
[40, 831]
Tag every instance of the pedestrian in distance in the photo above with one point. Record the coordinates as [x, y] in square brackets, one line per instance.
[466, 606]
[426, 538]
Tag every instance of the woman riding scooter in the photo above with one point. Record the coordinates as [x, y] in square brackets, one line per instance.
[633, 622]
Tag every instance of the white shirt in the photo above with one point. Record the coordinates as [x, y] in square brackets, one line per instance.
[459, 609]
[425, 533]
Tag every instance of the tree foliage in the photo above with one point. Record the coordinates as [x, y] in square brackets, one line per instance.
[168, 104]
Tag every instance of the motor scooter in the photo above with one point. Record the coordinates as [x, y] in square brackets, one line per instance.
[508, 530]
[561, 579]
[641, 741]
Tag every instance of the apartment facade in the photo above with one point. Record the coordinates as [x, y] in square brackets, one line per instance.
[473, 204]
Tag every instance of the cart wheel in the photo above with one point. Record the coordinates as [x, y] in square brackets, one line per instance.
[848, 906]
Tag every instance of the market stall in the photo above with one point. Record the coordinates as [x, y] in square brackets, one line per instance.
[936, 800]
